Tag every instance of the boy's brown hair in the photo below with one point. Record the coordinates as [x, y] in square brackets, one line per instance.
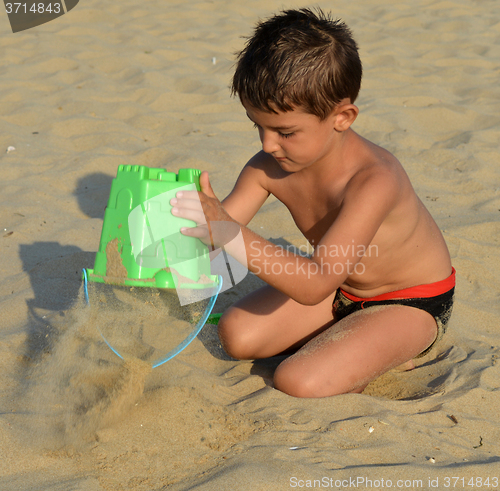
[298, 58]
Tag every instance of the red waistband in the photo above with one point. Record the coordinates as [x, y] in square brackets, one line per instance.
[419, 291]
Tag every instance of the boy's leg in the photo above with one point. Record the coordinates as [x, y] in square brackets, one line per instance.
[355, 351]
[266, 322]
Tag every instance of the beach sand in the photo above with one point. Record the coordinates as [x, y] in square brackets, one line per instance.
[146, 83]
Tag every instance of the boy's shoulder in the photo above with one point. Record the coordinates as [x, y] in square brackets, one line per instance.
[374, 168]
[264, 163]
[378, 170]
[369, 169]
[263, 170]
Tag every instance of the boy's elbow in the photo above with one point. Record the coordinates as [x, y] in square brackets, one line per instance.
[314, 296]
[317, 291]
[310, 302]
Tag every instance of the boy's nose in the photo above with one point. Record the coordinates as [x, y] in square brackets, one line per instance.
[269, 142]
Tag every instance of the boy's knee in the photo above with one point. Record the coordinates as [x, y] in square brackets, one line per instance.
[233, 338]
[289, 379]
[294, 380]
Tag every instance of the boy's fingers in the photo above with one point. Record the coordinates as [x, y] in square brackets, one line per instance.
[205, 185]
[192, 195]
[194, 215]
[198, 232]
[189, 204]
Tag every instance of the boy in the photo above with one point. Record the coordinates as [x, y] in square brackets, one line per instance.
[378, 289]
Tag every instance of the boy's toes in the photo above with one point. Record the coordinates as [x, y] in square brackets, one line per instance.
[405, 367]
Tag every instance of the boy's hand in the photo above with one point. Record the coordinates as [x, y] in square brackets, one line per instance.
[202, 207]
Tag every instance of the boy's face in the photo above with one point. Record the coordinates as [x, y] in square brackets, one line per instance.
[296, 139]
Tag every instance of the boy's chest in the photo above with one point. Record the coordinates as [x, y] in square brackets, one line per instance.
[313, 211]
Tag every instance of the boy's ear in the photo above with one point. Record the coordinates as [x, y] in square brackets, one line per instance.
[345, 115]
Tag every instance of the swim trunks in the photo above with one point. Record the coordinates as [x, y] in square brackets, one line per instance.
[434, 298]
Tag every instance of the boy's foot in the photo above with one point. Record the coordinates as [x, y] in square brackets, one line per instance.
[405, 367]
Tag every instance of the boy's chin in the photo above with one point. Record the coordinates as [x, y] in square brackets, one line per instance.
[284, 161]
[289, 166]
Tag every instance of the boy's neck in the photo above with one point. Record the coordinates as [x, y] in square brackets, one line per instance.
[342, 160]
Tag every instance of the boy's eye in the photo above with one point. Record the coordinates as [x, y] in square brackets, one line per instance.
[283, 135]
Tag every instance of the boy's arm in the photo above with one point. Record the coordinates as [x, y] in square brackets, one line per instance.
[249, 192]
[367, 203]
[368, 200]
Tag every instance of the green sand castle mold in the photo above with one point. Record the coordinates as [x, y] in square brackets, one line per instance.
[141, 243]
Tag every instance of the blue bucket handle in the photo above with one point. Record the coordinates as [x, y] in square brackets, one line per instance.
[180, 347]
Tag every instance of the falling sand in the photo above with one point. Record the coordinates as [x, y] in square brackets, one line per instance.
[73, 394]
[77, 386]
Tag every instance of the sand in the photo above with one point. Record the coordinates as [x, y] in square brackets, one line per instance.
[147, 83]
